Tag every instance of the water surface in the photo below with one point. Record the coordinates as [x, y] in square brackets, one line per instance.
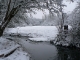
[47, 51]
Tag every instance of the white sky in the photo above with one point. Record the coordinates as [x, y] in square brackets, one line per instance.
[70, 6]
[40, 14]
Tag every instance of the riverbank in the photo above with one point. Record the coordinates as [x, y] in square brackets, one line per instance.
[46, 51]
[9, 50]
[41, 33]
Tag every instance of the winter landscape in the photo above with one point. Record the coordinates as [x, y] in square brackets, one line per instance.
[39, 30]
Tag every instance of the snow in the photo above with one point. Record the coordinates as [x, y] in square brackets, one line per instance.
[18, 55]
[38, 33]
[41, 33]
[6, 46]
[39, 39]
[6, 51]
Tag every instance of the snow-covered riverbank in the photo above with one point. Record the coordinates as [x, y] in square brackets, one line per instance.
[38, 33]
[9, 50]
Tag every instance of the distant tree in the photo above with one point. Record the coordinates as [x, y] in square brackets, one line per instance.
[74, 21]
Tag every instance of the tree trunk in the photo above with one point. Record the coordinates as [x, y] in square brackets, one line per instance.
[2, 27]
[6, 20]
[1, 31]
[61, 35]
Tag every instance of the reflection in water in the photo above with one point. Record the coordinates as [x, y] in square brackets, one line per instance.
[68, 54]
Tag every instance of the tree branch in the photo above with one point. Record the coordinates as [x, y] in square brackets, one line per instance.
[6, 12]
[10, 15]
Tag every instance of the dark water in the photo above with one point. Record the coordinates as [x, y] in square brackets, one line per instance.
[47, 51]
[41, 51]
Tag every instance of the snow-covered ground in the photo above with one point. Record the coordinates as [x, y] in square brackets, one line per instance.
[38, 33]
[7, 47]
[35, 33]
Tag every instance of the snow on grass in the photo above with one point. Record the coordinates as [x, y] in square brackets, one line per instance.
[6, 46]
[45, 32]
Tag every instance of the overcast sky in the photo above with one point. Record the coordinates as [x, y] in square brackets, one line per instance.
[70, 6]
[68, 9]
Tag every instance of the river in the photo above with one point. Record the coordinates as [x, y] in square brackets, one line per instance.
[47, 51]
